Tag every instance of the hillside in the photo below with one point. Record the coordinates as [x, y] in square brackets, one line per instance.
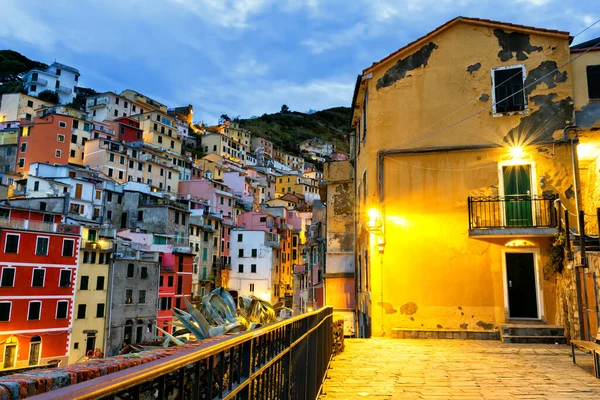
[288, 129]
[12, 64]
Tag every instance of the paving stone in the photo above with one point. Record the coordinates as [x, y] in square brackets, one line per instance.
[450, 369]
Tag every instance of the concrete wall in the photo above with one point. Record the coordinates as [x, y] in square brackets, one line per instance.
[121, 312]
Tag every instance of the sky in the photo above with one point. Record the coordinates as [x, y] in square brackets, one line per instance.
[248, 57]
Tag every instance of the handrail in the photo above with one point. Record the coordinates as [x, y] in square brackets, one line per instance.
[132, 377]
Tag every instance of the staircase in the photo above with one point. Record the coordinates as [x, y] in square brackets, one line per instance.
[549, 334]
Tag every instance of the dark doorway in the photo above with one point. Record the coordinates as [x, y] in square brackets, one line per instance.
[90, 343]
[520, 281]
[124, 220]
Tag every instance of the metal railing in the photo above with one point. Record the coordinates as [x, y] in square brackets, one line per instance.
[516, 211]
[285, 360]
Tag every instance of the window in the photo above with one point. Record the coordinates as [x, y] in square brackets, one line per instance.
[241, 268]
[120, 174]
[124, 104]
[38, 277]
[65, 278]
[116, 112]
[144, 273]
[176, 217]
[81, 311]
[93, 260]
[12, 243]
[122, 160]
[128, 296]
[100, 283]
[30, 103]
[149, 168]
[62, 307]
[33, 88]
[78, 190]
[60, 138]
[41, 248]
[241, 253]
[83, 284]
[140, 216]
[160, 139]
[593, 81]
[253, 268]
[508, 94]
[254, 253]
[130, 270]
[205, 238]
[8, 277]
[34, 311]
[62, 124]
[204, 254]
[58, 153]
[68, 246]
[170, 281]
[252, 287]
[142, 297]
[240, 237]
[5, 311]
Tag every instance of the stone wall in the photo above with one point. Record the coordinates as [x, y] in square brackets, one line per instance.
[338, 337]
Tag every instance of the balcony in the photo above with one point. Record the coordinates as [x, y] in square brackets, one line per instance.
[28, 225]
[64, 89]
[91, 104]
[38, 81]
[522, 215]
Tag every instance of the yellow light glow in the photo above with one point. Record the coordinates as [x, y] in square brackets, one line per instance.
[101, 243]
[520, 243]
[398, 220]
[373, 216]
[517, 152]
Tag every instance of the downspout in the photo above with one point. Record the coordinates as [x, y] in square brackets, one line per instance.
[581, 227]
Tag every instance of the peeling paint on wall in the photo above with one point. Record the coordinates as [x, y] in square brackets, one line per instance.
[540, 125]
[485, 325]
[464, 326]
[570, 193]
[589, 115]
[514, 42]
[404, 65]
[474, 67]
[547, 72]
[484, 98]
[342, 200]
[409, 308]
[389, 309]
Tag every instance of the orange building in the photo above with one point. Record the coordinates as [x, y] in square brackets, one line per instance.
[57, 136]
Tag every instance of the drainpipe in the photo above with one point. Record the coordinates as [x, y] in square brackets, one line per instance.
[581, 227]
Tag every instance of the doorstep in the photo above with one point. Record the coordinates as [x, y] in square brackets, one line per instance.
[461, 334]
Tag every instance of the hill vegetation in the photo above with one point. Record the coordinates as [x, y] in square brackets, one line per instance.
[12, 64]
[287, 129]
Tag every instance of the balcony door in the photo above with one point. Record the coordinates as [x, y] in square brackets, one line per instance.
[518, 209]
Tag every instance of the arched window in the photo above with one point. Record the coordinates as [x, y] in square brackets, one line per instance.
[10, 352]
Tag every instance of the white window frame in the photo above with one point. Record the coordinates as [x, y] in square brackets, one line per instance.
[56, 313]
[538, 286]
[533, 185]
[10, 311]
[63, 247]
[33, 274]
[62, 124]
[36, 245]
[14, 276]
[504, 114]
[58, 138]
[57, 153]
[6, 242]
[29, 307]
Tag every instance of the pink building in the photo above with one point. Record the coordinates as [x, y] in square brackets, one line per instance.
[218, 195]
[256, 221]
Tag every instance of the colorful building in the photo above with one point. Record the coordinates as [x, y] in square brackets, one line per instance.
[455, 224]
[59, 78]
[39, 261]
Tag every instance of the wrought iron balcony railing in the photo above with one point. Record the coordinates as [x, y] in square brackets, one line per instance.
[285, 360]
[515, 211]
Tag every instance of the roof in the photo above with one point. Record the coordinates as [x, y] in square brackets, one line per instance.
[474, 21]
[595, 43]
[65, 67]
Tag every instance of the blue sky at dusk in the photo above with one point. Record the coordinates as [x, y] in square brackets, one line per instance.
[248, 57]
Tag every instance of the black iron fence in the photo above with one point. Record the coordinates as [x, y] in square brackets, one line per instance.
[517, 211]
[285, 360]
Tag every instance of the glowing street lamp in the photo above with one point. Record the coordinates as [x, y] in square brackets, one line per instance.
[517, 152]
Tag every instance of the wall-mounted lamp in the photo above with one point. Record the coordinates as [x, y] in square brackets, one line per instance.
[375, 223]
[517, 152]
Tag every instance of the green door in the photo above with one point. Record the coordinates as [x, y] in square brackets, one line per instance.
[517, 195]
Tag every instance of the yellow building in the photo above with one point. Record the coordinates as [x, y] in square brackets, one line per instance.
[17, 106]
[296, 184]
[144, 102]
[133, 162]
[459, 157]
[159, 130]
[89, 312]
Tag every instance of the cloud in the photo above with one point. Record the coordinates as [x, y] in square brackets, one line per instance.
[19, 24]
[346, 37]
[248, 66]
[226, 13]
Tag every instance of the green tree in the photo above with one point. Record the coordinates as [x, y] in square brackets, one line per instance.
[224, 118]
[12, 67]
[49, 95]
[285, 109]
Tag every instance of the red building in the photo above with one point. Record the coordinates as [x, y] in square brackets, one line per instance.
[127, 129]
[38, 268]
[175, 282]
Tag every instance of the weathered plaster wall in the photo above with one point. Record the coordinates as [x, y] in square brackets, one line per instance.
[432, 274]
[587, 113]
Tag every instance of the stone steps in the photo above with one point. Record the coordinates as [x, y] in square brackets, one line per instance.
[510, 333]
[407, 333]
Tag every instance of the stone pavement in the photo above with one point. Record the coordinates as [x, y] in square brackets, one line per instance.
[458, 369]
